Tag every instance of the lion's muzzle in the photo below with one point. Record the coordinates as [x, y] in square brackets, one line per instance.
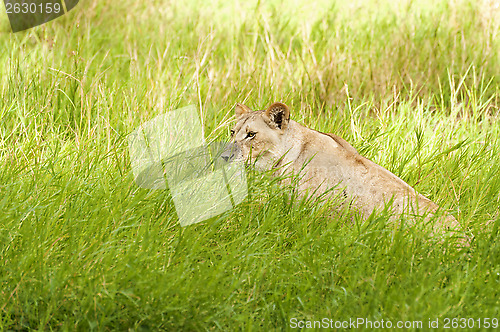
[231, 152]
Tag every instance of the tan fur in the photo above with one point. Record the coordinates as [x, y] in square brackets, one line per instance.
[272, 140]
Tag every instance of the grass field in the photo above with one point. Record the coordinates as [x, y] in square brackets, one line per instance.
[414, 86]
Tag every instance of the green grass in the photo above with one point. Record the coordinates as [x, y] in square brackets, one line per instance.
[413, 86]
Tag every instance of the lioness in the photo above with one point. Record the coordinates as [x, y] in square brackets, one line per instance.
[271, 140]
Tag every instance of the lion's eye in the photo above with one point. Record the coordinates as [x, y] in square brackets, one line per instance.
[251, 134]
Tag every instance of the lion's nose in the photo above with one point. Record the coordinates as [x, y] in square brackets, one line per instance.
[227, 155]
[230, 152]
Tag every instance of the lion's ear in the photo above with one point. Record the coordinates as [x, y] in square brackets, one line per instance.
[241, 109]
[279, 114]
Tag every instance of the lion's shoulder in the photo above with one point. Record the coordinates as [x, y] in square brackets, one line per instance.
[343, 143]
